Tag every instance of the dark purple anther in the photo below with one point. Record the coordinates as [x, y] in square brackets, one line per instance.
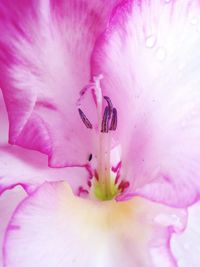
[105, 121]
[110, 105]
[85, 119]
[113, 124]
[90, 157]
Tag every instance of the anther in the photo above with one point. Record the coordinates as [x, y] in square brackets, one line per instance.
[110, 105]
[90, 157]
[89, 183]
[123, 185]
[105, 121]
[82, 191]
[113, 124]
[85, 119]
[117, 168]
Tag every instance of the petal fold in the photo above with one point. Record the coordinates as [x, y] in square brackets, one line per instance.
[185, 245]
[8, 202]
[30, 169]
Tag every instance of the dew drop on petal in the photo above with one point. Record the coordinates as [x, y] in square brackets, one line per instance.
[167, 1]
[150, 41]
[160, 54]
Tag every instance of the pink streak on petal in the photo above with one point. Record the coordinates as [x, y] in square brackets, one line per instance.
[41, 141]
[173, 194]
[155, 88]
[8, 202]
[45, 52]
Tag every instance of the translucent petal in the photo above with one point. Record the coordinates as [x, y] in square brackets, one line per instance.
[149, 57]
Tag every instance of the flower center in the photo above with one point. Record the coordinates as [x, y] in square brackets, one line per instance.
[105, 182]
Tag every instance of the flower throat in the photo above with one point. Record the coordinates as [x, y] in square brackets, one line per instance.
[105, 182]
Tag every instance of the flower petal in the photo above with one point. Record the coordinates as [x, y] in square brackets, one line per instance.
[149, 57]
[3, 121]
[8, 202]
[52, 227]
[45, 52]
[185, 246]
[30, 168]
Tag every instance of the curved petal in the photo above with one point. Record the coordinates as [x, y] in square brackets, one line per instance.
[149, 57]
[8, 202]
[45, 49]
[30, 168]
[185, 246]
[52, 227]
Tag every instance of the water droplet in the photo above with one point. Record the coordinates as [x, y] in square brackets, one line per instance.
[160, 54]
[150, 41]
[167, 1]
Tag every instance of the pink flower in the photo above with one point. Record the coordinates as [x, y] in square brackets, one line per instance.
[115, 107]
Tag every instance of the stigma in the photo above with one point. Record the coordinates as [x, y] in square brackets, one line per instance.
[105, 182]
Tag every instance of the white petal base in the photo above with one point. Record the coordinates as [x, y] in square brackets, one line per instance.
[54, 228]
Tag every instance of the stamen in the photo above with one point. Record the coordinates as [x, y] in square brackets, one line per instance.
[123, 185]
[104, 185]
[117, 178]
[90, 157]
[117, 168]
[83, 92]
[90, 171]
[110, 105]
[89, 183]
[85, 119]
[82, 191]
[105, 121]
[113, 124]
[96, 175]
